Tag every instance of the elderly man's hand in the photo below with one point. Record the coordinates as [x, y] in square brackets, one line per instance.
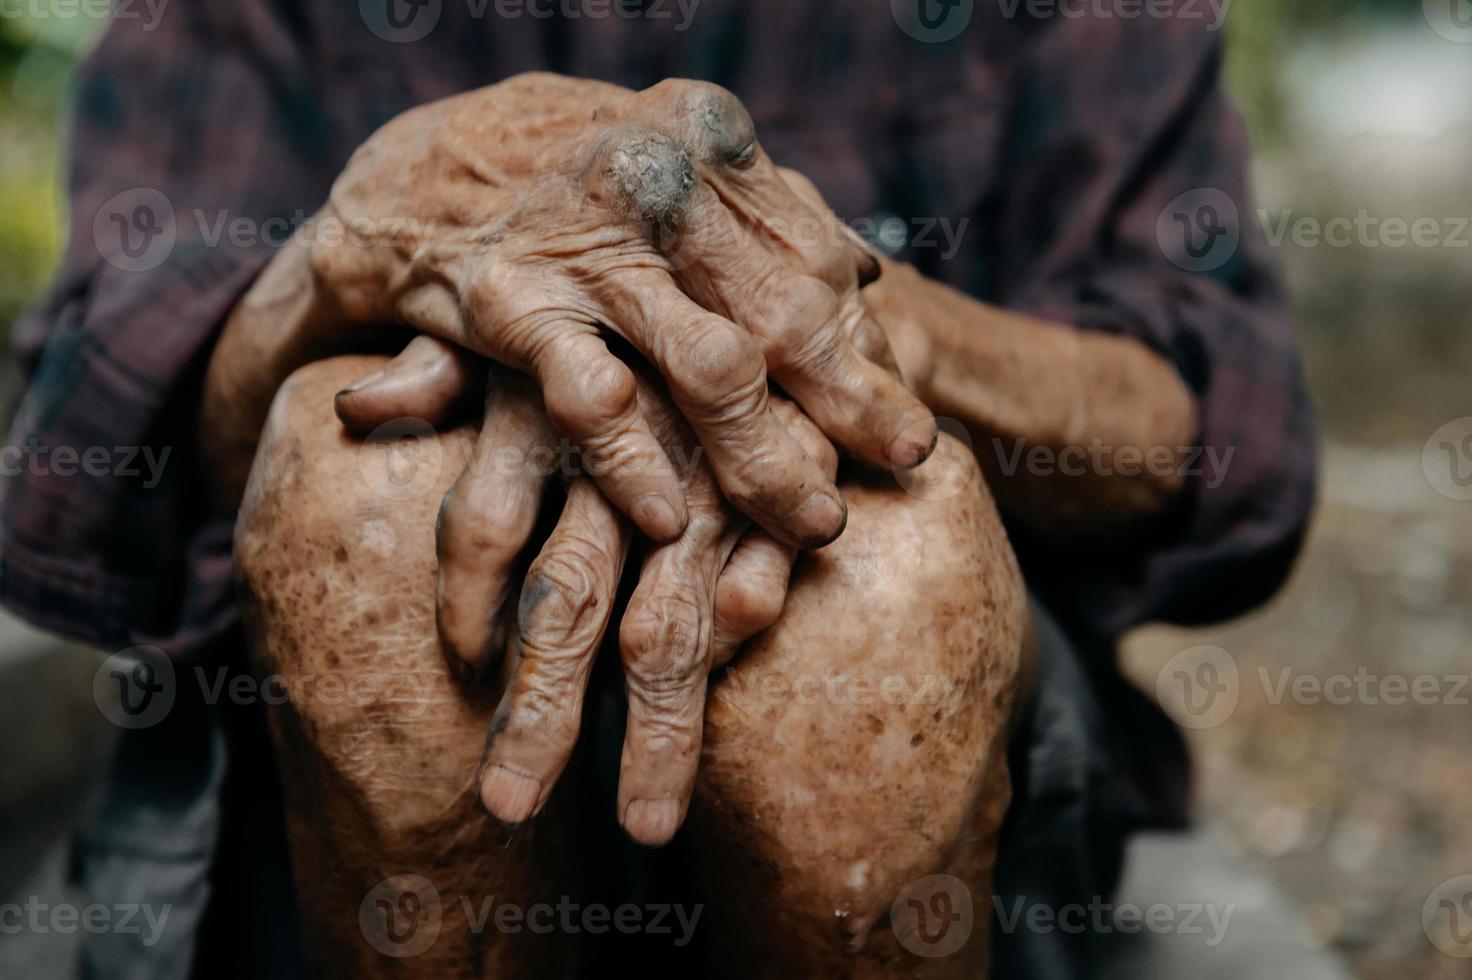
[698, 599]
[524, 220]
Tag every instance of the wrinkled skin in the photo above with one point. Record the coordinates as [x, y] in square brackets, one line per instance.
[810, 814]
[542, 212]
[523, 220]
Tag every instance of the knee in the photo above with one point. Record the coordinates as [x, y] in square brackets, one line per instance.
[317, 497]
[859, 743]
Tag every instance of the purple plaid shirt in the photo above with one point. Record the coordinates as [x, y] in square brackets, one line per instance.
[1035, 162]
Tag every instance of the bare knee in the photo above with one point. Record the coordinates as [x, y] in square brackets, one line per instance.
[378, 746]
[859, 743]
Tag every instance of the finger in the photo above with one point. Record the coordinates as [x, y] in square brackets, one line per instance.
[591, 396]
[666, 641]
[430, 379]
[750, 593]
[752, 588]
[796, 320]
[486, 520]
[564, 612]
[717, 379]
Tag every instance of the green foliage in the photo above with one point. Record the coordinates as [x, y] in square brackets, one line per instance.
[1259, 32]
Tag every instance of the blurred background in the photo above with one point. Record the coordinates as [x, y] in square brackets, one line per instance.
[1354, 812]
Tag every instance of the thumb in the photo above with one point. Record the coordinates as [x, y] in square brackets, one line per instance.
[430, 379]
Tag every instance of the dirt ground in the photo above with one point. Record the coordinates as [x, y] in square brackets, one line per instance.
[1344, 769]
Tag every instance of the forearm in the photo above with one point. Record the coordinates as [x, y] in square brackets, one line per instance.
[1079, 433]
[264, 340]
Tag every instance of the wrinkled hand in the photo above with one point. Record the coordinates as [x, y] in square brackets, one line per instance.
[697, 600]
[522, 220]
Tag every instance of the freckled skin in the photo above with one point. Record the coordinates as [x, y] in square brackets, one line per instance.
[812, 810]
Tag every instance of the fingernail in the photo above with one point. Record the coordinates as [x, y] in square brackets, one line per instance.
[820, 519]
[363, 382]
[656, 516]
[914, 444]
[509, 796]
[652, 822]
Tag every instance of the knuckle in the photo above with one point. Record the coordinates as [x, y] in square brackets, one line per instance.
[541, 711]
[603, 394]
[721, 123]
[719, 360]
[642, 170]
[661, 640]
[562, 591]
[750, 603]
[481, 521]
[325, 262]
[802, 307]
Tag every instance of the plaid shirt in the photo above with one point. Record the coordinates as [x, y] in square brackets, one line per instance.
[1054, 151]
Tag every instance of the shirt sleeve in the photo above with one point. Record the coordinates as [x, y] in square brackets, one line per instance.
[1122, 206]
[198, 143]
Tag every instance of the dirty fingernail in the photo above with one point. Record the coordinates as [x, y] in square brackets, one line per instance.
[509, 796]
[363, 382]
[652, 822]
[819, 520]
[914, 444]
